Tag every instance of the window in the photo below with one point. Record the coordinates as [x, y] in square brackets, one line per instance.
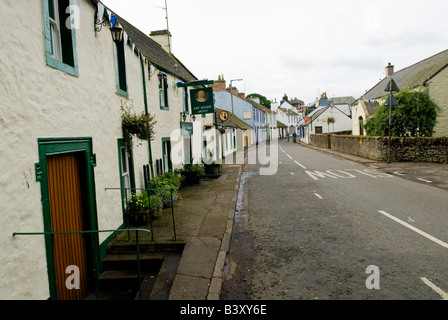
[186, 109]
[361, 126]
[125, 175]
[163, 91]
[60, 41]
[120, 55]
[166, 150]
[318, 130]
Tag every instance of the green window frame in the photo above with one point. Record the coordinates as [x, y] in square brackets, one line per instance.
[120, 60]
[125, 162]
[163, 91]
[60, 40]
[166, 155]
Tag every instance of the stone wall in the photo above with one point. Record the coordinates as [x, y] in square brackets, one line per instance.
[321, 140]
[376, 148]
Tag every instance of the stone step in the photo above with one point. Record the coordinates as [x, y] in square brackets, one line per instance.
[128, 261]
[146, 247]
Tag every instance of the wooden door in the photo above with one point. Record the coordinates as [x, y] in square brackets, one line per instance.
[66, 212]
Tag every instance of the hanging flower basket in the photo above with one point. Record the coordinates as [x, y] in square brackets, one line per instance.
[139, 125]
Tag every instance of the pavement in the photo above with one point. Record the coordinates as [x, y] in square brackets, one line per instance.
[203, 219]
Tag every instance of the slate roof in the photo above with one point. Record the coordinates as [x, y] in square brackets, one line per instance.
[154, 52]
[281, 124]
[413, 76]
[237, 122]
[258, 105]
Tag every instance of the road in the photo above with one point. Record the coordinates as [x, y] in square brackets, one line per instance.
[330, 229]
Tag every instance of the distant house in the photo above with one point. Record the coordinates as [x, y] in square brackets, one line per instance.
[430, 75]
[325, 119]
[287, 114]
[249, 111]
[234, 133]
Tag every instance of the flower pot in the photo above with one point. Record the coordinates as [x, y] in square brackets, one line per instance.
[138, 218]
[191, 178]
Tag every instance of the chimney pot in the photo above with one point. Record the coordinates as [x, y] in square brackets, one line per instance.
[389, 70]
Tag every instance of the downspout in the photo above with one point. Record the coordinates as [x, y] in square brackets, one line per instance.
[145, 99]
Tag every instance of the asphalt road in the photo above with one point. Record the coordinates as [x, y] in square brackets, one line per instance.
[329, 229]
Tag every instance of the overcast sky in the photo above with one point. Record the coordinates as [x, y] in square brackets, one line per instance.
[301, 48]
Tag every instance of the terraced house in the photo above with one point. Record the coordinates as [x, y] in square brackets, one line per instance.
[65, 162]
[429, 75]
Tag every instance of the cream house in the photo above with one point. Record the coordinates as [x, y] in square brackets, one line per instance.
[64, 164]
[430, 75]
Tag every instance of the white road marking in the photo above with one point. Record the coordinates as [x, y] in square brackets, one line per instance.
[289, 156]
[442, 293]
[292, 173]
[407, 225]
[318, 195]
[424, 180]
[300, 164]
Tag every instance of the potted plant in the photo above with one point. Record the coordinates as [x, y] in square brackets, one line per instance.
[139, 125]
[155, 206]
[191, 173]
[138, 208]
[211, 168]
[142, 207]
[165, 186]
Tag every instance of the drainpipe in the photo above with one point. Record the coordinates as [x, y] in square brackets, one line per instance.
[147, 112]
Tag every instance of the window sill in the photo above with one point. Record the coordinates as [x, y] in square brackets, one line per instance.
[122, 93]
[59, 65]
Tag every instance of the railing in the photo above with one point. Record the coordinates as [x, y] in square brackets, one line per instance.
[150, 218]
[97, 264]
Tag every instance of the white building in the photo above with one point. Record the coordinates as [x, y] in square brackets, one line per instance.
[64, 161]
[325, 119]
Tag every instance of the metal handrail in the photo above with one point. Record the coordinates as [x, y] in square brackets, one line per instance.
[150, 220]
[96, 256]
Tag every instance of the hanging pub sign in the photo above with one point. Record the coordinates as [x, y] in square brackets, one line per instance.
[202, 101]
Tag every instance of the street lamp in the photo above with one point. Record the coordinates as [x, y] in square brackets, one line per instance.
[117, 32]
[231, 89]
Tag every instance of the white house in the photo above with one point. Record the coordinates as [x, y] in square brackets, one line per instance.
[325, 119]
[287, 114]
[65, 164]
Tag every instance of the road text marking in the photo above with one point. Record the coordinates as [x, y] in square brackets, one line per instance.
[407, 225]
[344, 174]
[442, 293]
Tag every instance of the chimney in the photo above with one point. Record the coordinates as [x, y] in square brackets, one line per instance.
[389, 70]
[220, 84]
[163, 38]
[242, 95]
[233, 90]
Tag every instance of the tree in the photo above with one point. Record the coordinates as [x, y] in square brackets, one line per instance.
[415, 116]
[263, 100]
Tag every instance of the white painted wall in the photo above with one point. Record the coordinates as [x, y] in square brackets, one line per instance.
[41, 102]
[342, 122]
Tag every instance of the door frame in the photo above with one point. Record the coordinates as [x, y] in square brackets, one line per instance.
[58, 146]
